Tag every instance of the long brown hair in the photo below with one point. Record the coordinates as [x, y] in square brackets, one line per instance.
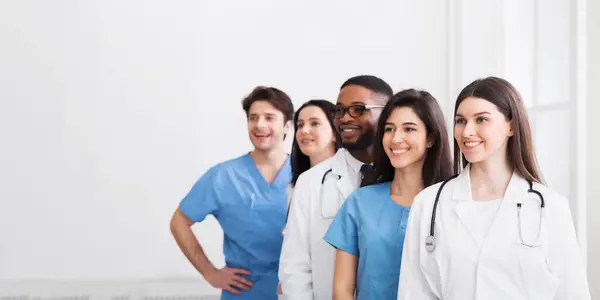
[520, 149]
[437, 166]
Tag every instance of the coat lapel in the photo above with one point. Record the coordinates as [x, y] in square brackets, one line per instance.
[340, 168]
[504, 227]
[462, 195]
[334, 195]
[516, 189]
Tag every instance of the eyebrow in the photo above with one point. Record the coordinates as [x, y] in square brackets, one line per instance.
[310, 119]
[477, 114]
[405, 123]
[266, 114]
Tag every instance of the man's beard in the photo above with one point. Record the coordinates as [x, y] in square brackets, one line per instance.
[364, 141]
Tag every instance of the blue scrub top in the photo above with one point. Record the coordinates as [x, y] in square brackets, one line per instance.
[252, 214]
[372, 226]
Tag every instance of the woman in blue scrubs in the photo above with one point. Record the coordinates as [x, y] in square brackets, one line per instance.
[412, 152]
[248, 197]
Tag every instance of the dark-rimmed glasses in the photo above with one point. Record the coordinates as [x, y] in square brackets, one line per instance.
[355, 110]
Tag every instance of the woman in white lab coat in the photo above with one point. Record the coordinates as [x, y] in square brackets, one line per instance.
[315, 136]
[498, 231]
[315, 140]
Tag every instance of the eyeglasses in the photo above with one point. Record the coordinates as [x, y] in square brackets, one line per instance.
[354, 111]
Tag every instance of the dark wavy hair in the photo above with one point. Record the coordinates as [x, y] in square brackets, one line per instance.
[438, 163]
[301, 162]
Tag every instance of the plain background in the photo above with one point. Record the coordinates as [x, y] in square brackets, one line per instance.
[593, 196]
[111, 110]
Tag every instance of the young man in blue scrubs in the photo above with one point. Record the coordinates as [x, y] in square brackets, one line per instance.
[248, 197]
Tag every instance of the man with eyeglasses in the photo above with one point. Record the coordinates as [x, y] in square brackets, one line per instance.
[307, 262]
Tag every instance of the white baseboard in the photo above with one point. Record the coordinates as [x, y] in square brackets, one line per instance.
[107, 290]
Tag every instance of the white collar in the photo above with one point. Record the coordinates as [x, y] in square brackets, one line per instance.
[354, 163]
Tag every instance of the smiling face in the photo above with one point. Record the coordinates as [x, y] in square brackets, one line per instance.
[357, 132]
[314, 133]
[405, 138]
[266, 126]
[481, 130]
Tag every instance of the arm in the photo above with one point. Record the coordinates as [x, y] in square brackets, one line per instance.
[565, 259]
[189, 245]
[412, 283]
[219, 278]
[344, 281]
[202, 200]
[295, 270]
[343, 235]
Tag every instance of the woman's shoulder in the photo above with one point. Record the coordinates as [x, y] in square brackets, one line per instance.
[318, 169]
[373, 190]
[432, 190]
[366, 198]
[552, 198]
[426, 197]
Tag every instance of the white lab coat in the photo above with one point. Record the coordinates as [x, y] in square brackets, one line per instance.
[499, 267]
[307, 262]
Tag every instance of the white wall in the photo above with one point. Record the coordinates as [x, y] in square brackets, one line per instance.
[110, 110]
[593, 33]
[537, 48]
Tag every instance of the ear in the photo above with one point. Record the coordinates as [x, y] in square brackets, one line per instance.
[510, 128]
[287, 126]
[430, 142]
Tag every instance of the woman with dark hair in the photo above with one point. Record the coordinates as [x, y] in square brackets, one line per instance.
[315, 140]
[411, 151]
[315, 136]
[495, 231]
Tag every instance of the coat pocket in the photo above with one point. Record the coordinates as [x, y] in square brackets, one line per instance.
[538, 282]
[330, 202]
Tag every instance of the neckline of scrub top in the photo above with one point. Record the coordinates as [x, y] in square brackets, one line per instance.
[281, 174]
[389, 195]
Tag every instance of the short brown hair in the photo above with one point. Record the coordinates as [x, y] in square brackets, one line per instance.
[280, 100]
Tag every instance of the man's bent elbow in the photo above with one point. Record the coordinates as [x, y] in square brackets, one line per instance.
[179, 221]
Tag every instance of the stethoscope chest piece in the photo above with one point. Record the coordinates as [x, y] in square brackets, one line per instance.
[430, 243]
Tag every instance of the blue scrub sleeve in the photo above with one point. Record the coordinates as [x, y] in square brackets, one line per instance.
[343, 231]
[202, 199]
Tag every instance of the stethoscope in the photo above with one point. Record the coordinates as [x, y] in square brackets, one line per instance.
[322, 183]
[325, 176]
[430, 240]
